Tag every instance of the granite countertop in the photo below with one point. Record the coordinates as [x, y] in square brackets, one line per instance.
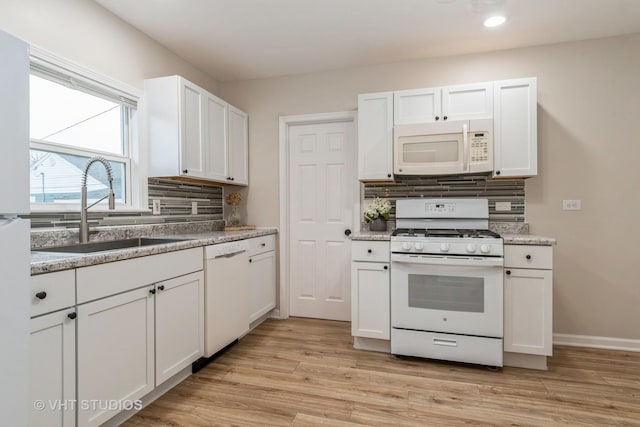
[528, 239]
[47, 262]
[372, 235]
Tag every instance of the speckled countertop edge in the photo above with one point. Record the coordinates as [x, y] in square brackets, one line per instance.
[527, 239]
[372, 235]
[47, 262]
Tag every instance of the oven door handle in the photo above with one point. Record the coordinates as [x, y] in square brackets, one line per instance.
[448, 261]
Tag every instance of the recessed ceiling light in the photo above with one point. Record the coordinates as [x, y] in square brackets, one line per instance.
[494, 21]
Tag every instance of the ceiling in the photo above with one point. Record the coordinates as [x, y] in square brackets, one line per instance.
[250, 39]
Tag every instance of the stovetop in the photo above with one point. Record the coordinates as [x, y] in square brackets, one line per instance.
[449, 233]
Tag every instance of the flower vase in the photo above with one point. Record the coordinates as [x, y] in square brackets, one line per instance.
[378, 224]
[233, 219]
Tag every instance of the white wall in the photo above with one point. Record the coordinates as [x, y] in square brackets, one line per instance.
[89, 35]
[589, 106]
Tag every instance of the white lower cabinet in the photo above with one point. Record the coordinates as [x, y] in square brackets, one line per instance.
[370, 304]
[262, 276]
[53, 369]
[179, 331]
[370, 291]
[528, 305]
[115, 353]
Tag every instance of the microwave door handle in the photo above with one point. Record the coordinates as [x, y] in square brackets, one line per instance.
[465, 144]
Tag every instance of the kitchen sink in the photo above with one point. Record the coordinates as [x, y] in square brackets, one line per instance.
[109, 245]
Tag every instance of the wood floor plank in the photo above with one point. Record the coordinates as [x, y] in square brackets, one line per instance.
[305, 372]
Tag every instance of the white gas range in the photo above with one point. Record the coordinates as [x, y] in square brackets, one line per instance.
[446, 282]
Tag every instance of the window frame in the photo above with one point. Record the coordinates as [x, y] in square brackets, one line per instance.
[128, 96]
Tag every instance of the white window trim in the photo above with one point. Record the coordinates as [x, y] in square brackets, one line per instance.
[137, 187]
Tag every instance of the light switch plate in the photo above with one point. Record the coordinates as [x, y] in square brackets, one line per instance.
[156, 207]
[503, 206]
[572, 205]
[194, 208]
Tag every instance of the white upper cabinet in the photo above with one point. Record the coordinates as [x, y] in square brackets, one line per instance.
[216, 138]
[461, 102]
[238, 147]
[417, 106]
[515, 136]
[375, 136]
[192, 146]
[467, 102]
[194, 134]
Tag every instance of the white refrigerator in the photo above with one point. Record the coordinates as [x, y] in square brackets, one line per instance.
[14, 231]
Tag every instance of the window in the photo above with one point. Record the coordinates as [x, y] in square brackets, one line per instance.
[74, 118]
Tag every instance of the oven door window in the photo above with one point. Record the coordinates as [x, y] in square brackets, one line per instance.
[449, 293]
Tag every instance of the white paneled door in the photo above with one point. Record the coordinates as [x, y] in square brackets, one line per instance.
[322, 174]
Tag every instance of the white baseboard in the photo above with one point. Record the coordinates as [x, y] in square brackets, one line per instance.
[596, 342]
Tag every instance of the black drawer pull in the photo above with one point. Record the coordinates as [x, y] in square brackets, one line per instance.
[152, 291]
[508, 272]
[41, 295]
[72, 316]
[528, 257]
[161, 288]
[386, 267]
[369, 251]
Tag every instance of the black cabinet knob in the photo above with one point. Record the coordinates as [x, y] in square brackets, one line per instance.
[437, 118]
[445, 118]
[161, 288]
[528, 257]
[250, 260]
[497, 172]
[386, 267]
[263, 244]
[369, 251]
[388, 175]
[72, 316]
[508, 272]
[152, 291]
[185, 170]
[41, 295]
[347, 232]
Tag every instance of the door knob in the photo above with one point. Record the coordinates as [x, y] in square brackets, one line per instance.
[347, 232]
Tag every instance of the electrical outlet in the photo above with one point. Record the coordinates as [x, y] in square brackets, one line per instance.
[194, 208]
[156, 207]
[572, 205]
[503, 206]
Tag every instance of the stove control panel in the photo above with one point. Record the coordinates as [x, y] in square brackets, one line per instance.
[460, 246]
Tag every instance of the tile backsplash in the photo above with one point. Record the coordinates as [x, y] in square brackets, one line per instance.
[461, 186]
[176, 200]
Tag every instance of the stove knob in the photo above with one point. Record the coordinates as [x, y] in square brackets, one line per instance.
[444, 247]
[419, 246]
[406, 246]
[485, 249]
[471, 248]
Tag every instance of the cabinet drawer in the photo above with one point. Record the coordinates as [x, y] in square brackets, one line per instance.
[370, 251]
[259, 245]
[52, 291]
[99, 281]
[528, 256]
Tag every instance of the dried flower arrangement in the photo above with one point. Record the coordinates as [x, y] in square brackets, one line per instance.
[233, 199]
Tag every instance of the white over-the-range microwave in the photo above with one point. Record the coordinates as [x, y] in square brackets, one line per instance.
[442, 148]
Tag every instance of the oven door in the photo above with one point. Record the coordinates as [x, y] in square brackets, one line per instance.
[454, 294]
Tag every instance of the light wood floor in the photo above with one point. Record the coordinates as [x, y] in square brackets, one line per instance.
[304, 372]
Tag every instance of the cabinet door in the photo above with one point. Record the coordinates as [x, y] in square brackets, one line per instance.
[238, 147]
[262, 284]
[192, 141]
[179, 324]
[216, 138]
[115, 352]
[370, 305]
[467, 102]
[375, 136]
[528, 311]
[515, 136]
[416, 106]
[53, 369]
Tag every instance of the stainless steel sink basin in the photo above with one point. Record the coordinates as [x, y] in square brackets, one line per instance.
[110, 245]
